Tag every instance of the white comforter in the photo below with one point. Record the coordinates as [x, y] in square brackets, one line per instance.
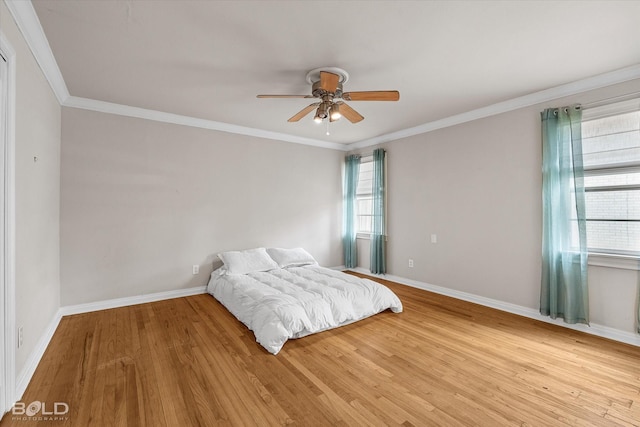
[297, 301]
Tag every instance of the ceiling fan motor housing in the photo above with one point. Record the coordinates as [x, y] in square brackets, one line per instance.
[318, 92]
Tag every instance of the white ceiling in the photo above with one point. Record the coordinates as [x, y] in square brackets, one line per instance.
[209, 59]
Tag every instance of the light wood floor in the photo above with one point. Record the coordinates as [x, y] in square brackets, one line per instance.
[188, 362]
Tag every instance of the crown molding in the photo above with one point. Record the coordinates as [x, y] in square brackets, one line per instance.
[28, 23]
[159, 116]
[590, 83]
[573, 88]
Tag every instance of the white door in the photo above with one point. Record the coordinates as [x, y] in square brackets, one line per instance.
[4, 345]
[7, 225]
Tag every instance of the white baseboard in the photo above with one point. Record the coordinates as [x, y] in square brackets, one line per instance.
[593, 329]
[126, 301]
[34, 358]
[36, 355]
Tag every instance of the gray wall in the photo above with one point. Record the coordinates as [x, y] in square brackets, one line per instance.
[143, 201]
[477, 186]
[37, 190]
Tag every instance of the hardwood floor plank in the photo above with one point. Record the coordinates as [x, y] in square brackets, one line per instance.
[442, 362]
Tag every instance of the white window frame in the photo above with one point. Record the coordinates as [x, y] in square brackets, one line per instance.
[363, 234]
[596, 257]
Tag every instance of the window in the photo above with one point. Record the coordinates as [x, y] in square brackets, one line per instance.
[364, 197]
[611, 155]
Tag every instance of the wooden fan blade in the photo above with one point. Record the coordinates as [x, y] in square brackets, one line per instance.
[352, 115]
[329, 81]
[306, 110]
[375, 95]
[284, 96]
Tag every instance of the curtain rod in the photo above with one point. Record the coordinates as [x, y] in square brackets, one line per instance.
[366, 154]
[608, 100]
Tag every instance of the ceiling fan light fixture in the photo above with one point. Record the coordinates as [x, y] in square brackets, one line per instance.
[322, 112]
[335, 112]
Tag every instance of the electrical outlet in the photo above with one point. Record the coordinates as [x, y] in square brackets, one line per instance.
[20, 336]
[196, 269]
[434, 238]
[410, 263]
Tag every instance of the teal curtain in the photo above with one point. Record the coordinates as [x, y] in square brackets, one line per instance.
[351, 170]
[564, 290]
[378, 258]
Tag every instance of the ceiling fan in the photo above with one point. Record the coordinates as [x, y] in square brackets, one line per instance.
[327, 87]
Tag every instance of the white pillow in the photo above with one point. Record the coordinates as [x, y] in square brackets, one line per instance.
[249, 261]
[296, 257]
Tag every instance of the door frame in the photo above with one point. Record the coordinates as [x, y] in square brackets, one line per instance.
[8, 253]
